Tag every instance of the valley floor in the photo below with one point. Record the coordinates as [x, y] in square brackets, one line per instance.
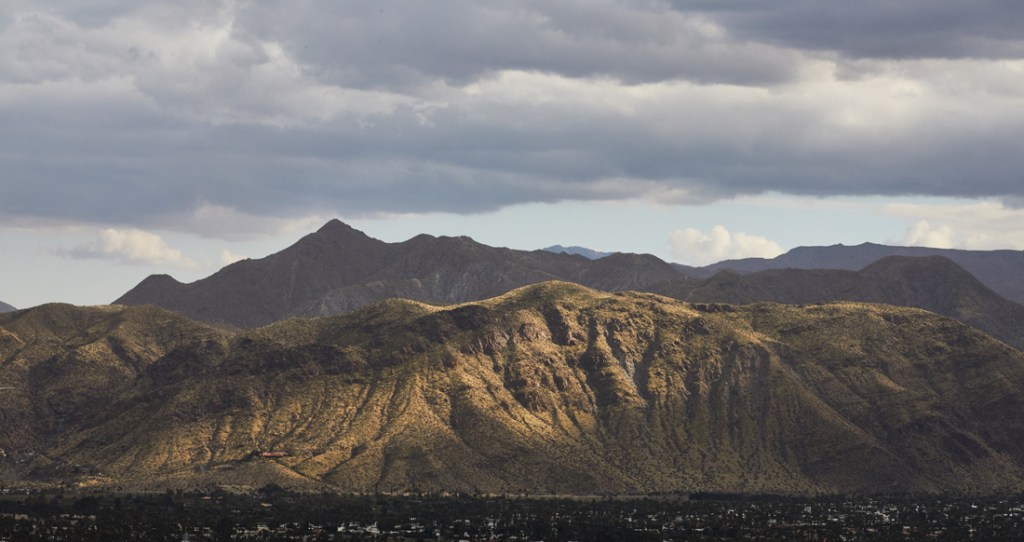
[274, 514]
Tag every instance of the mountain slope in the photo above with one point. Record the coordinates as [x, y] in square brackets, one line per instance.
[338, 269]
[549, 388]
[254, 292]
[64, 364]
[4, 307]
[932, 283]
[1000, 270]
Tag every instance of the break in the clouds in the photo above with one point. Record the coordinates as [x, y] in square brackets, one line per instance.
[174, 115]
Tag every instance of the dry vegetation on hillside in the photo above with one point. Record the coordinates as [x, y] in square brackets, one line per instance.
[552, 388]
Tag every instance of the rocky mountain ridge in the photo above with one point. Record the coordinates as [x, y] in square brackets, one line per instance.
[996, 269]
[587, 253]
[551, 388]
[338, 269]
[932, 283]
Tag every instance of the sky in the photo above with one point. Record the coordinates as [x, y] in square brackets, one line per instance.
[176, 137]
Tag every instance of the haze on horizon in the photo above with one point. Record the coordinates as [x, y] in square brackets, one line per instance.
[175, 137]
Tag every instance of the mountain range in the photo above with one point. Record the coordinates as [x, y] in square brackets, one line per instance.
[550, 388]
[339, 269]
[4, 307]
[347, 363]
[997, 269]
[587, 253]
[933, 283]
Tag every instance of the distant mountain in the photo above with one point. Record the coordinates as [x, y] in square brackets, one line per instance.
[1000, 270]
[4, 307]
[932, 283]
[551, 388]
[338, 269]
[587, 253]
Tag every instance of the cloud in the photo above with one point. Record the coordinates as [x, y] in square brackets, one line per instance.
[188, 116]
[906, 29]
[130, 246]
[981, 225]
[408, 43]
[227, 257]
[923, 234]
[694, 247]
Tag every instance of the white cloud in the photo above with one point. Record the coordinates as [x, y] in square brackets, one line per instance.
[192, 63]
[695, 247]
[227, 257]
[923, 234]
[130, 246]
[980, 225]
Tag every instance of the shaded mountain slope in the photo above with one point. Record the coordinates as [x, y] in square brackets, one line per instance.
[254, 292]
[1000, 270]
[338, 269]
[4, 307]
[62, 365]
[587, 253]
[932, 283]
[549, 388]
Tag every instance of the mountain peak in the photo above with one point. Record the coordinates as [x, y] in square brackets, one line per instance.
[338, 268]
[153, 290]
[160, 278]
[337, 227]
[157, 281]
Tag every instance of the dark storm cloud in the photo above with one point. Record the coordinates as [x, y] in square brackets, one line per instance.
[374, 44]
[143, 114]
[897, 29]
